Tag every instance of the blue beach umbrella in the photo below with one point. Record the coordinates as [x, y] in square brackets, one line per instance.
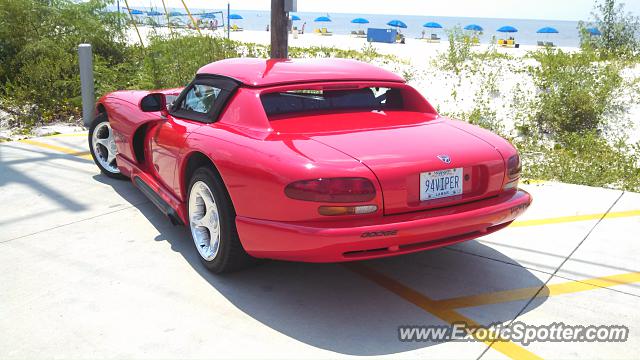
[508, 29]
[432, 25]
[322, 19]
[594, 31]
[295, 18]
[135, 11]
[359, 21]
[547, 30]
[397, 23]
[235, 17]
[208, 16]
[175, 13]
[154, 13]
[473, 27]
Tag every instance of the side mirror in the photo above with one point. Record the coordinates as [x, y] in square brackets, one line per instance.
[154, 102]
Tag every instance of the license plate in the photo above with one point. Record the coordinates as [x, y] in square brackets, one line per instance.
[440, 183]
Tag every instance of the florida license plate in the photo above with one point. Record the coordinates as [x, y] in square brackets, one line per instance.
[440, 183]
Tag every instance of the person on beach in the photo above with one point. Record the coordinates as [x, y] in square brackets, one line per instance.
[302, 30]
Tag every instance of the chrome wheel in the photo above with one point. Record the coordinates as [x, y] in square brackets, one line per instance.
[204, 220]
[104, 147]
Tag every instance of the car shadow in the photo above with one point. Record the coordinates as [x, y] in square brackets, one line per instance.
[330, 307]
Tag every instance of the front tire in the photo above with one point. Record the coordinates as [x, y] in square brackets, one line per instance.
[212, 224]
[103, 147]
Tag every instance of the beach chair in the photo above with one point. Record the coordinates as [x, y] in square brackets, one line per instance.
[325, 32]
[502, 42]
[361, 33]
[540, 43]
[236, 28]
[475, 41]
[511, 42]
[549, 44]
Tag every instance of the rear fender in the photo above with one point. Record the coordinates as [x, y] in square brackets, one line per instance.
[255, 171]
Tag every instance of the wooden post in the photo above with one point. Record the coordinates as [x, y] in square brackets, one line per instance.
[279, 33]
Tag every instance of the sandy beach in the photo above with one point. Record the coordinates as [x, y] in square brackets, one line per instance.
[413, 49]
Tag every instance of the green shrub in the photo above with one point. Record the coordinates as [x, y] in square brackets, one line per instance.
[172, 61]
[368, 53]
[575, 92]
[38, 52]
[585, 159]
[459, 50]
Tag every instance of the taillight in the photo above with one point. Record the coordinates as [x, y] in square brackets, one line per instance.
[332, 190]
[514, 168]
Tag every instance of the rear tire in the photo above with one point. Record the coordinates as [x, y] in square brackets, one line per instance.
[103, 147]
[212, 224]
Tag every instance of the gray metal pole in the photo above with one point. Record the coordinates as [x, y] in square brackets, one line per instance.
[85, 59]
[228, 21]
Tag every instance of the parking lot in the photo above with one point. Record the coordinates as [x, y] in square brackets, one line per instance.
[90, 268]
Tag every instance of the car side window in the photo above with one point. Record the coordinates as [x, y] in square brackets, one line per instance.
[200, 98]
[204, 99]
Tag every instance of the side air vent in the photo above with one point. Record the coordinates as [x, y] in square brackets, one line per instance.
[138, 144]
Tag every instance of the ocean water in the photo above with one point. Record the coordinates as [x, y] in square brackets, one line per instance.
[341, 24]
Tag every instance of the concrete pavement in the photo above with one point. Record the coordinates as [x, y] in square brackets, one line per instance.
[90, 269]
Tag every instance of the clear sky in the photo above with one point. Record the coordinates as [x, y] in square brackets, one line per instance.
[513, 9]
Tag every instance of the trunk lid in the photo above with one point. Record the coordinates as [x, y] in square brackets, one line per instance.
[399, 146]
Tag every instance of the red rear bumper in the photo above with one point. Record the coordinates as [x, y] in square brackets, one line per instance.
[385, 236]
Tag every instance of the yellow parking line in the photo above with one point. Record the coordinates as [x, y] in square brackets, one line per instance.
[448, 315]
[550, 290]
[595, 283]
[62, 149]
[495, 297]
[574, 218]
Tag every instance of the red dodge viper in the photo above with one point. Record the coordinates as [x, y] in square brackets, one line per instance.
[319, 160]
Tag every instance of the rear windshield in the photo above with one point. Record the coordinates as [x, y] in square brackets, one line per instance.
[305, 101]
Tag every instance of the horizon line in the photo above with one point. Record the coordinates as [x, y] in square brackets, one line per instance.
[360, 14]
